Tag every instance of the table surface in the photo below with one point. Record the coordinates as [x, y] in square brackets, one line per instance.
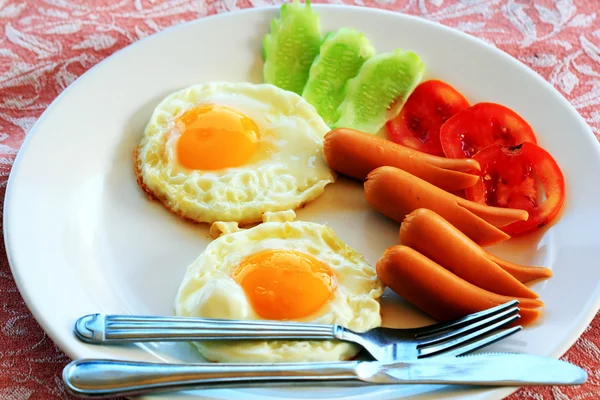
[46, 44]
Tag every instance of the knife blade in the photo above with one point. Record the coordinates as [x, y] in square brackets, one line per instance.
[108, 378]
[488, 369]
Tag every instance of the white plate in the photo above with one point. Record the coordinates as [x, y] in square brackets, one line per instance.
[82, 238]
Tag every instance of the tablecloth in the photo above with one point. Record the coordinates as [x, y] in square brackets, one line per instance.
[46, 44]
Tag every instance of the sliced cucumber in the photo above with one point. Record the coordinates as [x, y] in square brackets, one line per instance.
[340, 57]
[291, 47]
[379, 91]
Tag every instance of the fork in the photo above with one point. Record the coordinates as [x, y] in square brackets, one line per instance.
[454, 338]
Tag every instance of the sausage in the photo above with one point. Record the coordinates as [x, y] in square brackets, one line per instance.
[355, 154]
[431, 235]
[396, 193]
[437, 291]
[521, 272]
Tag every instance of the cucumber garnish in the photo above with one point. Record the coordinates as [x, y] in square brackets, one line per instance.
[378, 92]
[340, 57]
[291, 47]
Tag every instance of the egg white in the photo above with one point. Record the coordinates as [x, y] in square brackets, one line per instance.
[287, 171]
[209, 291]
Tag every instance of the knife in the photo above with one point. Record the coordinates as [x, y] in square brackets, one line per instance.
[97, 378]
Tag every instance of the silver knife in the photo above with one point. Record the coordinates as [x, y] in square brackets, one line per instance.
[108, 378]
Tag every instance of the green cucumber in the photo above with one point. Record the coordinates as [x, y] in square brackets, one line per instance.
[291, 47]
[379, 91]
[340, 57]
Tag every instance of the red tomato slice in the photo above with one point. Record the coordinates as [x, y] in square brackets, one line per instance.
[475, 128]
[427, 108]
[525, 177]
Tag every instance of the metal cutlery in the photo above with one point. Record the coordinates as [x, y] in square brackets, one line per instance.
[452, 338]
[106, 378]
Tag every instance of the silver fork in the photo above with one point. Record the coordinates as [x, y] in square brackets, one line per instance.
[458, 337]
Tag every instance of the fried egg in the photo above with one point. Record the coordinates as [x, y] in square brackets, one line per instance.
[288, 271]
[233, 151]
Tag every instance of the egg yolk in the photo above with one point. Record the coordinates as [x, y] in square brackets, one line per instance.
[215, 137]
[284, 284]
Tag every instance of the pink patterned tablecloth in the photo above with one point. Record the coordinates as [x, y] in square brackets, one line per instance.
[46, 44]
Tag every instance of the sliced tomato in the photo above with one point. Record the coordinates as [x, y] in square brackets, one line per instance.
[524, 177]
[427, 108]
[481, 125]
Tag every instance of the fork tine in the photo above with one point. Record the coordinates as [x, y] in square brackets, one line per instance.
[443, 326]
[471, 347]
[450, 334]
[440, 348]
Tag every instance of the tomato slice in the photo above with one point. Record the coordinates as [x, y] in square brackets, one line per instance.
[425, 111]
[524, 177]
[481, 125]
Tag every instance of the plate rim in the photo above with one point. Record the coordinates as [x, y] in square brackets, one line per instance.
[45, 322]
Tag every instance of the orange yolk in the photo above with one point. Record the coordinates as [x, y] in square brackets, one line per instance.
[215, 137]
[284, 284]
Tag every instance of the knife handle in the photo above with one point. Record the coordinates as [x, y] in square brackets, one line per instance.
[97, 378]
[102, 329]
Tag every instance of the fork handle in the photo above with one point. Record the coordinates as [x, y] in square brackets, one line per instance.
[107, 378]
[102, 329]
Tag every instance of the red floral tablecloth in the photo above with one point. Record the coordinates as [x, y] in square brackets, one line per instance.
[46, 44]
